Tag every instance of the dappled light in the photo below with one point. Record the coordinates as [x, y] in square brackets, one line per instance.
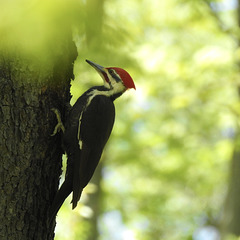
[165, 171]
[30, 26]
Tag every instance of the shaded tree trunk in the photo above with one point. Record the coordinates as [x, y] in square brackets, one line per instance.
[231, 214]
[94, 203]
[30, 159]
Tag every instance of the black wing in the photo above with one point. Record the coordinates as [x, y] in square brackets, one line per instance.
[95, 128]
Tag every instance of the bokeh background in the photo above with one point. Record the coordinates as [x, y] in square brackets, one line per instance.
[170, 169]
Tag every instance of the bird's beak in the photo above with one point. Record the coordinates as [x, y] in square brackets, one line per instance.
[101, 70]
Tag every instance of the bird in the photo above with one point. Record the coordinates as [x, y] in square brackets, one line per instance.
[87, 129]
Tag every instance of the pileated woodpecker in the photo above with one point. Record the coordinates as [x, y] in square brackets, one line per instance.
[87, 130]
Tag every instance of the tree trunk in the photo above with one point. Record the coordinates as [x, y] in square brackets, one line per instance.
[94, 203]
[30, 159]
[231, 214]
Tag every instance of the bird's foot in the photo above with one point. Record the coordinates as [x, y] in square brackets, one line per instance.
[59, 125]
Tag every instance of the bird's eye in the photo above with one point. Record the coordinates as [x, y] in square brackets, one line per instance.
[111, 71]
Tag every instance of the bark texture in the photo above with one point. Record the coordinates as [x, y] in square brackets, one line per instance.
[30, 159]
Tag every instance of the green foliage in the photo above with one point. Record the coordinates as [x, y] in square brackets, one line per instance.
[172, 140]
[34, 28]
[166, 166]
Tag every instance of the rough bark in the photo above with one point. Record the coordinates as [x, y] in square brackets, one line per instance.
[30, 159]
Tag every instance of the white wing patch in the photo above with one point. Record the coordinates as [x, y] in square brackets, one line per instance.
[79, 127]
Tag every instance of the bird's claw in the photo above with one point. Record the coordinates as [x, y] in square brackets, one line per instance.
[59, 125]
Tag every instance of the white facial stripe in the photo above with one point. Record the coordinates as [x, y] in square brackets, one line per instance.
[117, 88]
[119, 78]
[114, 76]
[116, 83]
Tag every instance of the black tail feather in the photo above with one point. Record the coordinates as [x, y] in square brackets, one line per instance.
[76, 198]
[60, 197]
